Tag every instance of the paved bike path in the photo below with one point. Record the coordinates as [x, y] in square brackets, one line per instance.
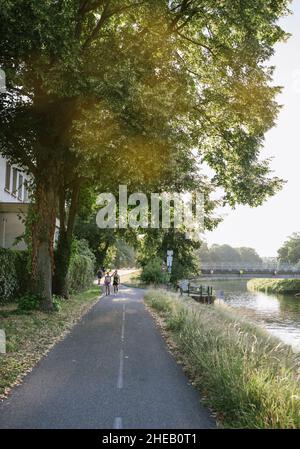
[112, 371]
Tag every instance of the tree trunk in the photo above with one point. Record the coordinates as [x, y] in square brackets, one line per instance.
[62, 263]
[43, 229]
[64, 247]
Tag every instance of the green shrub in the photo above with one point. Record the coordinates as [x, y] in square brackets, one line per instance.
[152, 273]
[22, 263]
[29, 302]
[14, 274]
[57, 303]
[8, 276]
[82, 267]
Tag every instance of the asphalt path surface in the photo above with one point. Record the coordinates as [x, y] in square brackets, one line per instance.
[112, 371]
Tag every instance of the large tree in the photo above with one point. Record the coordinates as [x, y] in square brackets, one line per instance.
[290, 250]
[141, 83]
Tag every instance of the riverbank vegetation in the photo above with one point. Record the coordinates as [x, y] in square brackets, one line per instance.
[280, 286]
[30, 334]
[290, 250]
[248, 378]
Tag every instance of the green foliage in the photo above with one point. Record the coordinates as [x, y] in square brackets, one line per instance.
[14, 274]
[152, 272]
[57, 303]
[125, 255]
[155, 243]
[228, 254]
[23, 270]
[248, 378]
[99, 240]
[82, 267]
[29, 302]
[8, 276]
[290, 250]
[109, 246]
[280, 286]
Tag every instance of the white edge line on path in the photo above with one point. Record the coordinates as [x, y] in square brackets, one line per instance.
[118, 423]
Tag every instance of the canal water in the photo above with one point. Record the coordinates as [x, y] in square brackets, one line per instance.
[279, 314]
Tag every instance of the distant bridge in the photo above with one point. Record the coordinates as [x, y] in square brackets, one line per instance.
[244, 270]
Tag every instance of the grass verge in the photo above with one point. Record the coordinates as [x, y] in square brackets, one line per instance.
[132, 279]
[248, 378]
[281, 286]
[30, 335]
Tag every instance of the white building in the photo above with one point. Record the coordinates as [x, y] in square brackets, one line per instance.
[13, 204]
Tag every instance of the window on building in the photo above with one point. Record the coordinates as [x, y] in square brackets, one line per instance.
[20, 187]
[7, 176]
[14, 181]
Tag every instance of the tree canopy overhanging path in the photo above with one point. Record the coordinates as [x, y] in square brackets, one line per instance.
[112, 371]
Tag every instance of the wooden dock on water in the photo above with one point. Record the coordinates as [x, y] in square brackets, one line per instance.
[201, 293]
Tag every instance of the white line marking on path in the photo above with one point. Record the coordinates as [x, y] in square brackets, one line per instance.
[118, 423]
[123, 324]
[121, 366]
[121, 369]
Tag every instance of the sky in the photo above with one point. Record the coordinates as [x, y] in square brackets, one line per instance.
[265, 228]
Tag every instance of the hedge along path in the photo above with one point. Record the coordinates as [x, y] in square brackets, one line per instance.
[31, 335]
[14, 274]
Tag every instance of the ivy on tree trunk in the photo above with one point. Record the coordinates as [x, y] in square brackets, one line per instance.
[64, 246]
[43, 231]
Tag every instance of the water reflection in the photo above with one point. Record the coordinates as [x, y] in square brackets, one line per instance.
[279, 314]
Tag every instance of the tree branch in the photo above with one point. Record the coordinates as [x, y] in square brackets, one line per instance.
[24, 159]
[98, 26]
[73, 208]
[193, 41]
[107, 15]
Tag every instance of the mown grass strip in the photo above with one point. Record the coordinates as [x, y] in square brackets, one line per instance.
[250, 379]
[30, 335]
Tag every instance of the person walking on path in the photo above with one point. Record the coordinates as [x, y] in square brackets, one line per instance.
[107, 282]
[116, 281]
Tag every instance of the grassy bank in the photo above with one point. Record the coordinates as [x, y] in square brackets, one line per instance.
[247, 377]
[30, 335]
[281, 286]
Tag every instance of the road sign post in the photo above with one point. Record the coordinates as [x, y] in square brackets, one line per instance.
[170, 253]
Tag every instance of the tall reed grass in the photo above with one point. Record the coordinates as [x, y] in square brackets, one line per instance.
[249, 378]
